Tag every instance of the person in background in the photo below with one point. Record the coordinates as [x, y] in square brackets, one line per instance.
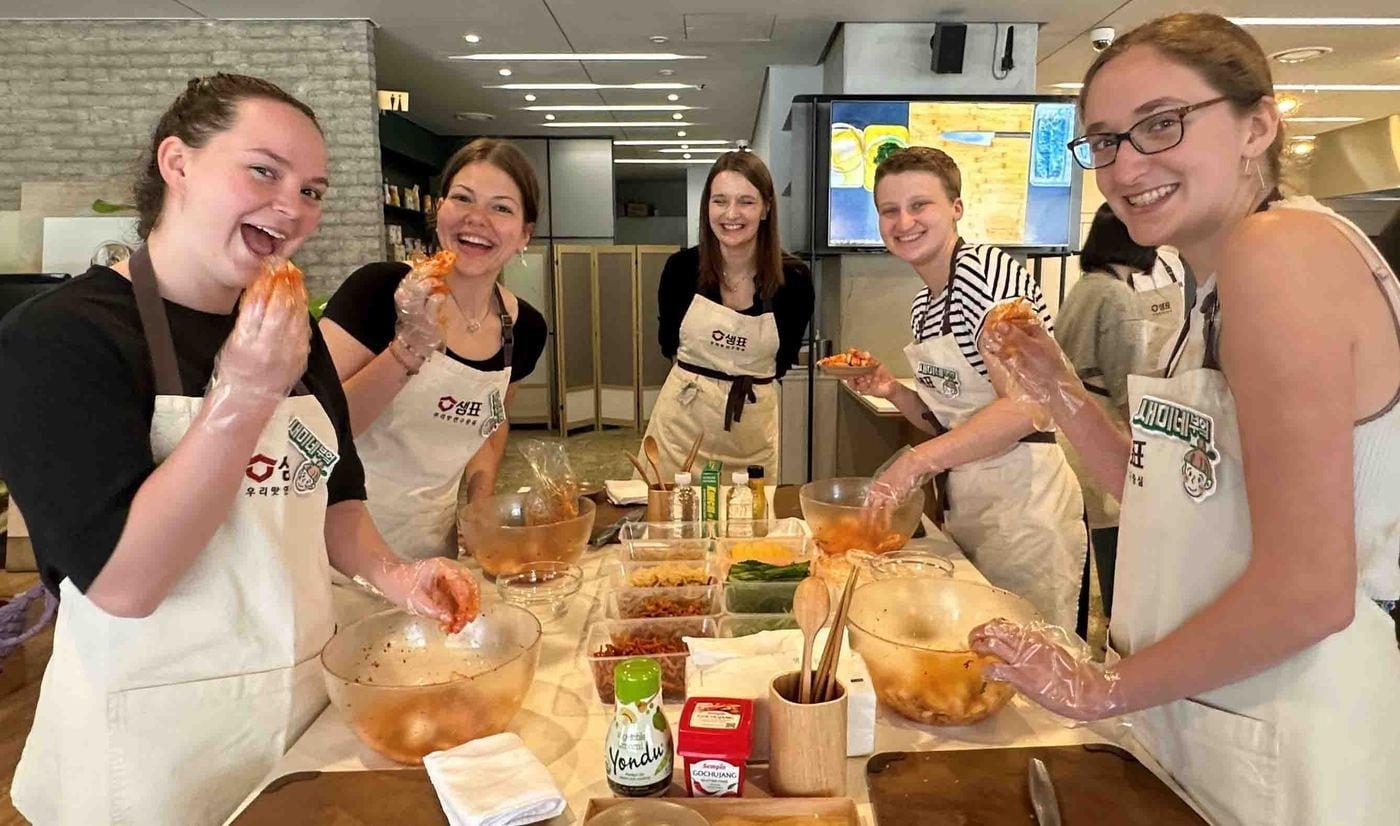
[733, 311]
[1260, 484]
[182, 505]
[1012, 504]
[1113, 323]
[428, 398]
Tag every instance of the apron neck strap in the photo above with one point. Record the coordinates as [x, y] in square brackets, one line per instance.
[154, 324]
[507, 327]
[952, 277]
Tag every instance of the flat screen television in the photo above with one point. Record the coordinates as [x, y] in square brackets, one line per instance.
[1020, 186]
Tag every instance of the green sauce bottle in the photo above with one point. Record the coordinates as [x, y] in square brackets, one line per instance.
[638, 750]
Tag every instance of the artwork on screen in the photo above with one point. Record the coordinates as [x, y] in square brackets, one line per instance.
[1018, 179]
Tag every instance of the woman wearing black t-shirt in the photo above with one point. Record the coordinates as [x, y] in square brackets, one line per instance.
[429, 376]
[187, 530]
[732, 314]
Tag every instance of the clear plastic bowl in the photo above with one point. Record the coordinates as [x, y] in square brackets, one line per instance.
[835, 511]
[493, 531]
[912, 633]
[407, 688]
[910, 563]
[542, 588]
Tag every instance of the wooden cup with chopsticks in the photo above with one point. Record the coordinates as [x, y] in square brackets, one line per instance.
[658, 489]
[806, 741]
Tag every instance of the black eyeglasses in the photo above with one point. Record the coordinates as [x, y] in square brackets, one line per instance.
[1155, 133]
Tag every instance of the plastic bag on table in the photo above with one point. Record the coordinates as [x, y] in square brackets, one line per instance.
[1035, 369]
[554, 495]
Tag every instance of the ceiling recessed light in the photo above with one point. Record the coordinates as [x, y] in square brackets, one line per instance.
[1287, 104]
[475, 116]
[673, 151]
[673, 96]
[680, 134]
[503, 72]
[549, 117]
[1301, 54]
[472, 38]
[658, 38]
[683, 144]
[666, 72]
[1300, 148]
[556, 56]
[677, 116]
[609, 107]
[583, 87]
[531, 98]
[614, 124]
[686, 156]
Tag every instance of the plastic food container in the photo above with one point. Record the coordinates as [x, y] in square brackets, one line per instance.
[773, 550]
[638, 638]
[542, 588]
[659, 603]
[670, 574]
[659, 541]
[714, 740]
[742, 625]
[759, 597]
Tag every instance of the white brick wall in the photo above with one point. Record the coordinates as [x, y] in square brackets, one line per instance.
[78, 100]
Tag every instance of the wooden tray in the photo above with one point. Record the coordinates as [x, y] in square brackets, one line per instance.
[1094, 784]
[714, 808]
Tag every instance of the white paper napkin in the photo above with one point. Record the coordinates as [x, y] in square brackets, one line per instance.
[743, 667]
[626, 491]
[494, 781]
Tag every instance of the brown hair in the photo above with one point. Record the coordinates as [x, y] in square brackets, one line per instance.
[206, 107]
[506, 157]
[770, 253]
[1219, 51]
[936, 162]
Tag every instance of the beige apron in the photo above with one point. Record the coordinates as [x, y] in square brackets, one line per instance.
[721, 386]
[176, 717]
[1019, 517]
[1314, 740]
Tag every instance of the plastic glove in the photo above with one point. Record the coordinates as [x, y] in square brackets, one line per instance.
[881, 384]
[437, 588]
[1037, 369]
[898, 477]
[266, 353]
[1052, 667]
[419, 301]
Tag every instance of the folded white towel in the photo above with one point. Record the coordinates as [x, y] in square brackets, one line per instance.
[494, 781]
[626, 491]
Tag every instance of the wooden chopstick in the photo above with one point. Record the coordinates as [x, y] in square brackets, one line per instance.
[825, 685]
[694, 452]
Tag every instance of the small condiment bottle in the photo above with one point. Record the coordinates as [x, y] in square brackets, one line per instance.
[685, 500]
[738, 505]
[760, 496]
[713, 741]
[637, 756]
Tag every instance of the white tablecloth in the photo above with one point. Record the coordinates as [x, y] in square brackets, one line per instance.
[563, 722]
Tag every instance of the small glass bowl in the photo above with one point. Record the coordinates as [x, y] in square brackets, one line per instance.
[910, 564]
[542, 588]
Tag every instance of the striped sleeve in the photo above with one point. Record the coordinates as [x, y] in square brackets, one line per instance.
[988, 276]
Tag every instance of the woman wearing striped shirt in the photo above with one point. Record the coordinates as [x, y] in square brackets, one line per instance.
[1011, 501]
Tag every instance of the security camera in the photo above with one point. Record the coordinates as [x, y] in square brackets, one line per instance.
[742, 144]
[1102, 37]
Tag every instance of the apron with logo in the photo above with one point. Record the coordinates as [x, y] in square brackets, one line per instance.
[1313, 740]
[1019, 516]
[174, 718]
[721, 386]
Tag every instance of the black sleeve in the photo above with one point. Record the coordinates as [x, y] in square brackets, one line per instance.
[794, 313]
[531, 335]
[347, 480]
[673, 297]
[74, 438]
[364, 305]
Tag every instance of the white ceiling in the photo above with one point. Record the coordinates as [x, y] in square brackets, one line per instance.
[415, 36]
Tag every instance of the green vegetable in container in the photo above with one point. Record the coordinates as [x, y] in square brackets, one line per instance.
[751, 570]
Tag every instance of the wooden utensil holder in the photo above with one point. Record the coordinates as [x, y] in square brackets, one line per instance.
[659, 503]
[806, 743]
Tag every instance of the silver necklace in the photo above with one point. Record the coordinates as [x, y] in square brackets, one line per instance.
[472, 326]
[731, 283]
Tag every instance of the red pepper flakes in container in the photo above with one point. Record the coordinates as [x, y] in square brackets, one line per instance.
[714, 740]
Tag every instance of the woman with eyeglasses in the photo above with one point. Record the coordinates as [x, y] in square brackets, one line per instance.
[1261, 480]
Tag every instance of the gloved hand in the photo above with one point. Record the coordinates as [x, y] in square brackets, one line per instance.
[1037, 369]
[437, 588]
[419, 301]
[266, 353]
[881, 384]
[1048, 665]
[901, 474]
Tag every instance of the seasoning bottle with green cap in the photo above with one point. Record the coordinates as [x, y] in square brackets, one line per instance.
[638, 756]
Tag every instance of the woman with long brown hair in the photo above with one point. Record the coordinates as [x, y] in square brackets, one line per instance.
[733, 311]
[1260, 484]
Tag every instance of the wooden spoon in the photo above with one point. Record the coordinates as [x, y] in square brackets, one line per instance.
[638, 465]
[653, 452]
[810, 605]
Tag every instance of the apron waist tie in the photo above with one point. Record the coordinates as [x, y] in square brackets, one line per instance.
[940, 481]
[740, 389]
